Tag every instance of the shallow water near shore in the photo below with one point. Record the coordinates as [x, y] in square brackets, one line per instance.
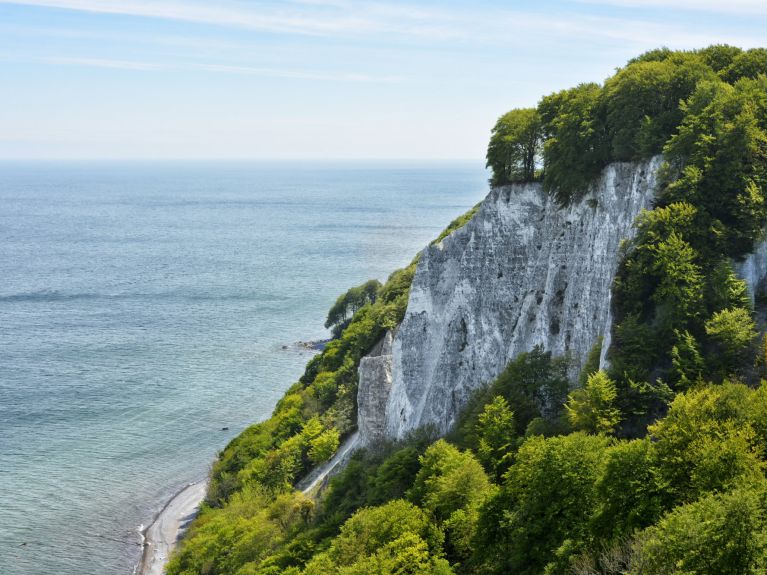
[144, 307]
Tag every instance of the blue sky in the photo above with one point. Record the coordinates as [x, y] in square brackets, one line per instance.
[315, 78]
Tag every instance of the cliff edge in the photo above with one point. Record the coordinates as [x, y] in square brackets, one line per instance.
[524, 271]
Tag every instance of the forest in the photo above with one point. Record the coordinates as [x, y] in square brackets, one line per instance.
[655, 465]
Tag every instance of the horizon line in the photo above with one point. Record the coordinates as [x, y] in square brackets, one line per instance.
[237, 159]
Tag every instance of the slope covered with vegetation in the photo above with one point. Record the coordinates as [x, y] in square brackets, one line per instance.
[656, 466]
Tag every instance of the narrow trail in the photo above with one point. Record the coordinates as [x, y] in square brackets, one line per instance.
[316, 477]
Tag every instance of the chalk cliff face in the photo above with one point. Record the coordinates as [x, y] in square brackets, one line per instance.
[753, 269]
[523, 272]
[375, 379]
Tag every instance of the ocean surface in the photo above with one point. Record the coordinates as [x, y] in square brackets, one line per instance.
[145, 306]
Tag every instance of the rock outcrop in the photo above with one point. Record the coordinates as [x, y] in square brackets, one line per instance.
[523, 272]
[375, 379]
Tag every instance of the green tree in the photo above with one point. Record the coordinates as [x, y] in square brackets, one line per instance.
[371, 529]
[760, 362]
[629, 496]
[723, 533]
[591, 365]
[719, 56]
[322, 447]
[576, 147]
[725, 289]
[706, 442]
[496, 433]
[642, 102]
[723, 137]
[406, 555]
[534, 383]
[687, 364]
[395, 475]
[349, 303]
[515, 146]
[592, 408]
[679, 293]
[732, 333]
[449, 480]
[540, 518]
[452, 485]
[748, 64]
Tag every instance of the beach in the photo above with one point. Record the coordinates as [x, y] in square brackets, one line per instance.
[163, 533]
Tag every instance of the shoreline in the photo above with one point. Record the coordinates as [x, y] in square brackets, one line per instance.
[161, 536]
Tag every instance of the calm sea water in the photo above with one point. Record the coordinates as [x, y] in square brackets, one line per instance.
[144, 307]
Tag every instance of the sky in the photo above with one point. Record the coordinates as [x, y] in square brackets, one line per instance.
[315, 79]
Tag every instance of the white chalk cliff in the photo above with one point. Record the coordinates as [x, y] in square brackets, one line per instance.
[523, 272]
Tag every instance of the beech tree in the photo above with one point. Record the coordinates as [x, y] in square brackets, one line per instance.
[515, 146]
[687, 363]
[592, 408]
[731, 331]
[496, 433]
[347, 305]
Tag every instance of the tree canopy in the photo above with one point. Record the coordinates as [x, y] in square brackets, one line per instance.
[514, 152]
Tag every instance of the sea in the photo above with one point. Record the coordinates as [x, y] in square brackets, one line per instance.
[149, 312]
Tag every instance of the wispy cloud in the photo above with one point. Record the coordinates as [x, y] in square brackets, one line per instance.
[288, 73]
[223, 14]
[297, 74]
[735, 7]
[102, 63]
[388, 20]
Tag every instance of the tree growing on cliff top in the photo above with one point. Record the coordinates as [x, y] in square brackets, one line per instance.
[515, 146]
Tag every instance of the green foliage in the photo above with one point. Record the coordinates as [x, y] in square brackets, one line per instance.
[575, 146]
[515, 146]
[760, 361]
[629, 497]
[676, 273]
[732, 333]
[748, 64]
[406, 555]
[719, 56]
[372, 478]
[726, 290]
[687, 365]
[452, 485]
[722, 140]
[248, 529]
[324, 446]
[642, 102]
[541, 515]
[635, 350]
[366, 539]
[349, 303]
[456, 224]
[496, 434]
[707, 442]
[659, 287]
[723, 533]
[592, 408]
[679, 294]
[534, 385]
